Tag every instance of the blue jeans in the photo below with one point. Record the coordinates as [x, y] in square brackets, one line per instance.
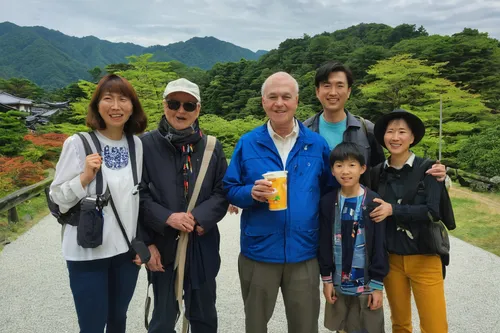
[102, 290]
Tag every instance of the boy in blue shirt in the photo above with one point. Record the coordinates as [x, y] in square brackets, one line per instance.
[352, 255]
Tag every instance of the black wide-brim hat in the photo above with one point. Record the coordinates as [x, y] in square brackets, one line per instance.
[416, 125]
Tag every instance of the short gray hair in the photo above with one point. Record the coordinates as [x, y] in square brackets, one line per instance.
[285, 74]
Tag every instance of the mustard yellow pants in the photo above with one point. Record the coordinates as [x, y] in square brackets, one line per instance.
[423, 275]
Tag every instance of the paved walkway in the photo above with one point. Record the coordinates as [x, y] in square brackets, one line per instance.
[35, 294]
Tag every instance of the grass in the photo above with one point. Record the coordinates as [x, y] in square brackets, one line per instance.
[30, 212]
[478, 222]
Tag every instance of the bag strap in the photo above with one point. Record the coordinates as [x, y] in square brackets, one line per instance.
[122, 228]
[416, 177]
[147, 302]
[363, 124]
[207, 156]
[131, 150]
[180, 256]
[90, 151]
[86, 145]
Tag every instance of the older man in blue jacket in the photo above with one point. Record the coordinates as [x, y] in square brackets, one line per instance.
[279, 248]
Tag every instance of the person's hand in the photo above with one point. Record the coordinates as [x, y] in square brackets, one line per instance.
[154, 264]
[438, 170]
[199, 230]
[233, 209]
[137, 260]
[262, 190]
[329, 292]
[381, 211]
[92, 164]
[375, 300]
[182, 221]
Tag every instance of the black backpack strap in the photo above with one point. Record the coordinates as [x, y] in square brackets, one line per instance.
[89, 151]
[131, 149]
[96, 141]
[99, 181]
[86, 145]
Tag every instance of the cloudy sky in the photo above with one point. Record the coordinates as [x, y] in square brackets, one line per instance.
[254, 24]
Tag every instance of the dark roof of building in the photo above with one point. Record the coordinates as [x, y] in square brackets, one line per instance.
[58, 104]
[49, 113]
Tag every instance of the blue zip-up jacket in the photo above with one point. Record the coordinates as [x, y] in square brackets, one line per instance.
[291, 235]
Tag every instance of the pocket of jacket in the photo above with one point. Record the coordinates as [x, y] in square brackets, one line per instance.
[263, 242]
[305, 237]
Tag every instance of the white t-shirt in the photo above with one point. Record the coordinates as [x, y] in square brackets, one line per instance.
[66, 190]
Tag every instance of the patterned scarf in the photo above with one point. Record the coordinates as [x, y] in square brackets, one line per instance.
[184, 141]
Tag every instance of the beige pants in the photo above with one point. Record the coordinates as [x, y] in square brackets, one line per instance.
[350, 314]
[299, 283]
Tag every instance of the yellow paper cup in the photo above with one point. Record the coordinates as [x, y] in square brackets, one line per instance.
[278, 201]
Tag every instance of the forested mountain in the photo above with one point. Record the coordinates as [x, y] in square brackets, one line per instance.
[53, 60]
[201, 52]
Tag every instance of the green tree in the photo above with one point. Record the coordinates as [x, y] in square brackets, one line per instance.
[403, 82]
[114, 68]
[96, 73]
[472, 60]
[12, 132]
[21, 88]
[363, 57]
[480, 153]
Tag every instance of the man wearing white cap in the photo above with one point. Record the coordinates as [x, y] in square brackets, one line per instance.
[173, 154]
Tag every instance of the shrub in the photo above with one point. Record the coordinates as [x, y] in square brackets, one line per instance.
[481, 154]
[47, 140]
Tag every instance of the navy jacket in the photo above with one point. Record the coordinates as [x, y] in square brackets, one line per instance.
[377, 260]
[162, 194]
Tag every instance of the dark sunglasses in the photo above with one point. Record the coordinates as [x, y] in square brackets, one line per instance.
[175, 105]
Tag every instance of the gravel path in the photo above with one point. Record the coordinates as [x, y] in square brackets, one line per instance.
[35, 294]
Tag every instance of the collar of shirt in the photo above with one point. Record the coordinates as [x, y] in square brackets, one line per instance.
[284, 145]
[274, 135]
[408, 162]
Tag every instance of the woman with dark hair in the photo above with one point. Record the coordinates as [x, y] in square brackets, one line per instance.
[413, 265]
[103, 277]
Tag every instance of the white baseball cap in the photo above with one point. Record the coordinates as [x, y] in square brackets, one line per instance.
[183, 85]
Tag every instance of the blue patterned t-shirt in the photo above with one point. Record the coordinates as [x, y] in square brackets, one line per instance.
[115, 158]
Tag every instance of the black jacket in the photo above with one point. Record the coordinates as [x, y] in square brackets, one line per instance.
[355, 133]
[377, 260]
[162, 194]
[392, 186]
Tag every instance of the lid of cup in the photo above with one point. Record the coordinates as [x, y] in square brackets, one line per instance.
[275, 174]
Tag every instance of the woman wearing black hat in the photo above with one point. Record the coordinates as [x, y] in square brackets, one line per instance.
[412, 268]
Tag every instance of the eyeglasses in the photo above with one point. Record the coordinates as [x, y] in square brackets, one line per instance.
[175, 105]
